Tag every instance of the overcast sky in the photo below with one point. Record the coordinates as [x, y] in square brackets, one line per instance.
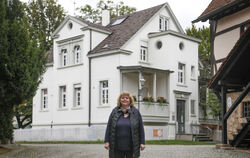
[184, 10]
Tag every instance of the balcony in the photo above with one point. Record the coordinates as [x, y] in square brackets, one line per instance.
[153, 112]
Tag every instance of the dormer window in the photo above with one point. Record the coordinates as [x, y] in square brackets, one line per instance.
[163, 23]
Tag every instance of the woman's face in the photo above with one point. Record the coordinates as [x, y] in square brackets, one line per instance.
[125, 101]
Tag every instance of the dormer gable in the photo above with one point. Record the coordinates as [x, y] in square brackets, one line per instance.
[85, 25]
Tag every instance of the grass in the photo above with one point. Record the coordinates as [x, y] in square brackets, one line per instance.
[3, 150]
[151, 142]
[177, 142]
[63, 142]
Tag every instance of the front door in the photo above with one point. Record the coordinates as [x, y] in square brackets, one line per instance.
[181, 116]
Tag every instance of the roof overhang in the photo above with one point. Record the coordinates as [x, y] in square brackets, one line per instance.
[109, 52]
[234, 72]
[228, 9]
[177, 34]
[142, 69]
[96, 29]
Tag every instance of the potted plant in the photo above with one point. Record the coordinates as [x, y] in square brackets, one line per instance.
[161, 100]
[148, 99]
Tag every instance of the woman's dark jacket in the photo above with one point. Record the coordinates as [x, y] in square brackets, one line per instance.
[137, 130]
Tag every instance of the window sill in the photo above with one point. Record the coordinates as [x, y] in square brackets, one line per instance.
[193, 115]
[193, 79]
[77, 108]
[103, 106]
[181, 85]
[45, 110]
[144, 62]
[62, 109]
[63, 67]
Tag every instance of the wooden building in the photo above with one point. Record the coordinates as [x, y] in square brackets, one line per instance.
[230, 45]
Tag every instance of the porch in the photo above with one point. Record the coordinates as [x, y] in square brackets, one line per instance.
[150, 89]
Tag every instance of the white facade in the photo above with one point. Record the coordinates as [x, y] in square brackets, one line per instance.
[82, 89]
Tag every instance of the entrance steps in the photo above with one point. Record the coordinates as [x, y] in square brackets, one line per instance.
[194, 137]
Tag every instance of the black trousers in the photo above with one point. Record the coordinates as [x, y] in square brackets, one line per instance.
[123, 154]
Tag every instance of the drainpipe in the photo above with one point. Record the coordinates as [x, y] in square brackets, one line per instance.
[90, 47]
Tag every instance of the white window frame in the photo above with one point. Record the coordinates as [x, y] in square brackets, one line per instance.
[163, 23]
[104, 92]
[64, 56]
[192, 72]
[77, 96]
[181, 73]
[192, 107]
[44, 99]
[77, 54]
[63, 97]
[144, 54]
[144, 51]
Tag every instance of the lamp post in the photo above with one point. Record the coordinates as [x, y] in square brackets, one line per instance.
[140, 87]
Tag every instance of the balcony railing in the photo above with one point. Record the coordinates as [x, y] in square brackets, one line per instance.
[153, 112]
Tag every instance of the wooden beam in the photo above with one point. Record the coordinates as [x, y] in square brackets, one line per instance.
[223, 112]
[237, 101]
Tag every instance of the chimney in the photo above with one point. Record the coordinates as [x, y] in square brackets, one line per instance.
[105, 16]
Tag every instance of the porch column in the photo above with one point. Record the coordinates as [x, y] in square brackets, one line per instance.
[154, 87]
[139, 90]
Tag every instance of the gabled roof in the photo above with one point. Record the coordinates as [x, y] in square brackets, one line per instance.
[220, 8]
[235, 69]
[82, 22]
[121, 33]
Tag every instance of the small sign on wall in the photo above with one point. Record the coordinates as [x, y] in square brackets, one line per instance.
[158, 132]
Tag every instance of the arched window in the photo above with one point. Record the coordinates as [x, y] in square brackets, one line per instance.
[77, 51]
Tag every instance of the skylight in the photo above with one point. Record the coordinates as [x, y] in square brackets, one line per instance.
[119, 21]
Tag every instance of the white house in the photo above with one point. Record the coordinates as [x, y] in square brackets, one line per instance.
[145, 53]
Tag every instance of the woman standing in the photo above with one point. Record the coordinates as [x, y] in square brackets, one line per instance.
[125, 132]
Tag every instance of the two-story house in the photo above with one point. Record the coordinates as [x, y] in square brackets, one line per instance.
[230, 45]
[145, 53]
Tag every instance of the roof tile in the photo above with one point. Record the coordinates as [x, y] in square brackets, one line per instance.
[121, 33]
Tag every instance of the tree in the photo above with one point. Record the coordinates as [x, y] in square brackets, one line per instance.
[23, 114]
[22, 62]
[214, 105]
[44, 16]
[204, 56]
[94, 14]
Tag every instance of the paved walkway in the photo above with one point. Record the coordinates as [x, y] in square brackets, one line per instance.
[98, 151]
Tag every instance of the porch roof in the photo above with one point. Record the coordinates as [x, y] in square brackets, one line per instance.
[143, 68]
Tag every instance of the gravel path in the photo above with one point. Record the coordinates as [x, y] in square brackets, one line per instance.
[98, 151]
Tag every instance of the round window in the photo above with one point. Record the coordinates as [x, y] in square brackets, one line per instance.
[70, 25]
[159, 44]
[181, 45]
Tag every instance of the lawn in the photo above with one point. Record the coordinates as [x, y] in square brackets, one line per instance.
[151, 142]
[3, 150]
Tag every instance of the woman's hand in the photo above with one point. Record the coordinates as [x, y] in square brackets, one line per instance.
[106, 145]
[142, 146]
